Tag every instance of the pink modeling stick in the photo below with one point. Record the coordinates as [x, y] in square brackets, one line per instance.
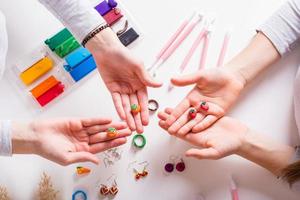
[192, 50]
[174, 36]
[233, 190]
[204, 52]
[181, 38]
[224, 49]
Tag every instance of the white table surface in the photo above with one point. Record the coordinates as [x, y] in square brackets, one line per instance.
[266, 106]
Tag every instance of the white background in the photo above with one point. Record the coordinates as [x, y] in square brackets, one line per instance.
[266, 106]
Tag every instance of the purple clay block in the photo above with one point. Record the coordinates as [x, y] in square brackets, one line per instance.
[103, 8]
[112, 3]
[169, 167]
[180, 166]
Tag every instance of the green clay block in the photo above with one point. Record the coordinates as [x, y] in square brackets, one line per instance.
[67, 47]
[58, 39]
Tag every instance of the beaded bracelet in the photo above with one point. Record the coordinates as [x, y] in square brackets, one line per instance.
[93, 33]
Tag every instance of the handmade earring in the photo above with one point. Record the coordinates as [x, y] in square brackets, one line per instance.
[142, 174]
[111, 132]
[135, 109]
[204, 106]
[180, 166]
[82, 170]
[104, 190]
[114, 189]
[192, 113]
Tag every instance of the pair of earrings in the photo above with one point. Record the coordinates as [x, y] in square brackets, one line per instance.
[180, 166]
[142, 174]
[113, 190]
[193, 112]
[137, 174]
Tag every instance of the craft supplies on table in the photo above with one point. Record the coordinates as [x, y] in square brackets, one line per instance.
[61, 63]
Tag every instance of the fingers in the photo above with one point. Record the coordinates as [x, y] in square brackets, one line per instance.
[127, 110]
[186, 128]
[118, 105]
[102, 128]
[103, 146]
[137, 116]
[181, 121]
[95, 121]
[163, 115]
[205, 123]
[178, 111]
[143, 102]
[146, 79]
[76, 157]
[207, 153]
[186, 79]
[102, 137]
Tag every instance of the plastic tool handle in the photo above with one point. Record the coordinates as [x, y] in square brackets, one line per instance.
[204, 52]
[192, 50]
[178, 42]
[224, 49]
[234, 194]
[174, 36]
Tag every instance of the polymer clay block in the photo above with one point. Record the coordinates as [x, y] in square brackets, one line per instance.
[76, 57]
[128, 37]
[58, 39]
[36, 71]
[67, 47]
[30, 60]
[113, 16]
[82, 69]
[44, 86]
[106, 6]
[51, 94]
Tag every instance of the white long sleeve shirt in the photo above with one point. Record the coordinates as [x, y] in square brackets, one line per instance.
[78, 16]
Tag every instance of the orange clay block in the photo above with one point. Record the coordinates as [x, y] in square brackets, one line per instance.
[44, 86]
[83, 170]
[36, 71]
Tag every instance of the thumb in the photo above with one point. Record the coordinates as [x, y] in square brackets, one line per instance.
[82, 157]
[187, 79]
[207, 153]
[147, 79]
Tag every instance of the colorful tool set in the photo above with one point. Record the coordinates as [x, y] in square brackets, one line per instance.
[181, 34]
[48, 71]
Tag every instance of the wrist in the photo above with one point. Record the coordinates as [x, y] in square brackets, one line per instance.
[238, 73]
[24, 138]
[103, 41]
[266, 153]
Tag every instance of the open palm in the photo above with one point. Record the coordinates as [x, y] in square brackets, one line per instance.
[219, 88]
[223, 138]
[126, 79]
[67, 141]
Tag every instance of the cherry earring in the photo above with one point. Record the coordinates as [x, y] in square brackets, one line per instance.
[192, 113]
[180, 166]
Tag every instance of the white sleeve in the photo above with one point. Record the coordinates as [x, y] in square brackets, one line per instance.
[78, 16]
[283, 27]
